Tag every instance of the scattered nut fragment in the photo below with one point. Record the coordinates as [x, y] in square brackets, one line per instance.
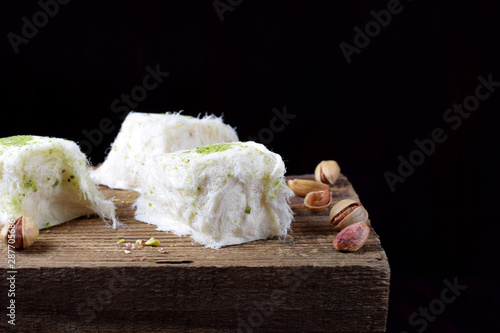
[327, 172]
[127, 251]
[152, 242]
[318, 200]
[347, 212]
[21, 234]
[129, 247]
[352, 238]
[141, 259]
[162, 250]
[302, 186]
[140, 243]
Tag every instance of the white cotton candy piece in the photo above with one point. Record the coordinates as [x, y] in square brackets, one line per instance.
[221, 194]
[145, 134]
[47, 179]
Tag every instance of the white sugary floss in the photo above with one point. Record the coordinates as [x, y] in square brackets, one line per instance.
[145, 134]
[47, 179]
[221, 194]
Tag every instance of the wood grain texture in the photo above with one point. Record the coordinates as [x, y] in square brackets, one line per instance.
[76, 278]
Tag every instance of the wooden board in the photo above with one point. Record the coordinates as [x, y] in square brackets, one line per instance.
[76, 278]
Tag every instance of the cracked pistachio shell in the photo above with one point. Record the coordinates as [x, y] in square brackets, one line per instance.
[26, 232]
[30, 232]
[347, 212]
[327, 172]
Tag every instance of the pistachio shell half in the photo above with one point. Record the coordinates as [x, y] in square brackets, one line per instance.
[327, 172]
[347, 212]
[318, 200]
[302, 186]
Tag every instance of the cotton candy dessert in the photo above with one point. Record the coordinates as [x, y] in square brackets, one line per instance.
[145, 134]
[47, 179]
[221, 194]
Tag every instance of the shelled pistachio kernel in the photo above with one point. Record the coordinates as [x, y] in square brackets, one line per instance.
[352, 238]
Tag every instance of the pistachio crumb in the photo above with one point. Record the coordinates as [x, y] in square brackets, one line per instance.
[129, 246]
[152, 242]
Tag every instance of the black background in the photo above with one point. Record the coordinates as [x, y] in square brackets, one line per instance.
[440, 223]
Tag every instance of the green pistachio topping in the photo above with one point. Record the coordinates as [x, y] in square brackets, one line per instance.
[19, 140]
[216, 148]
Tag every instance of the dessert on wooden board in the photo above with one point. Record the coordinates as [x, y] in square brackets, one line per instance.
[239, 192]
[47, 179]
[145, 134]
[222, 194]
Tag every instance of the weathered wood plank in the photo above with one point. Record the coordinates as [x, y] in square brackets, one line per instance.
[76, 278]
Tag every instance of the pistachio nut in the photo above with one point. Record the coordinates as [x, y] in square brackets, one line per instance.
[21, 234]
[352, 238]
[347, 212]
[327, 172]
[317, 201]
[302, 186]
